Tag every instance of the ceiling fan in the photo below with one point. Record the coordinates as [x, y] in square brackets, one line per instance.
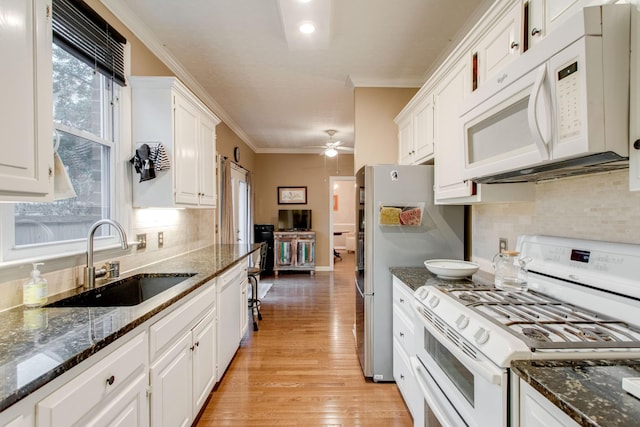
[331, 147]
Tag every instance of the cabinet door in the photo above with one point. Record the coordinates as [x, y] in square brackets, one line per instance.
[537, 411]
[449, 138]
[204, 360]
[423, 130]
[26, 108]
[207, 166]
[187, 134]
[171, 386]
[128, 409]
[244, 307]
[501, 45]
[405, 141]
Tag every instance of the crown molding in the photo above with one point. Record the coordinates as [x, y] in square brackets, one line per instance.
[150, 40]
[353, 82]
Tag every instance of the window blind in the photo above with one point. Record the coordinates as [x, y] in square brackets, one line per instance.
[79, 30]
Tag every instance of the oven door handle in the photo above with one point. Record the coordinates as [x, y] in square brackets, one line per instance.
[432, 394]
[484, 368]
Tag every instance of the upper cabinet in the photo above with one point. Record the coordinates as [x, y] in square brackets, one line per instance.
[165, 111]
[26, 116]
[415, 131]
[497, 47]
[544, 16]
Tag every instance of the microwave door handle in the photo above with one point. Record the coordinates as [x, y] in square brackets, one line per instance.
[534, 125]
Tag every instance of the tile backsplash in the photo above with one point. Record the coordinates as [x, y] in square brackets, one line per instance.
[184, 230]
[597, 207]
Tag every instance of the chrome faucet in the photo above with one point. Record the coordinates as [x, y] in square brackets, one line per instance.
[90, 270]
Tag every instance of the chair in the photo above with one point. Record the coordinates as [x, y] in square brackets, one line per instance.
[253, 275]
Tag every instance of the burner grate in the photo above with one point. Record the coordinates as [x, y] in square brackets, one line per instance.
[544, 322]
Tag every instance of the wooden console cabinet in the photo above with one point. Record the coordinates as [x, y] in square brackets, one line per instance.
[294, 250]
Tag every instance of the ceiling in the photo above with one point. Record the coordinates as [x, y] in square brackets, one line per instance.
[279, 96]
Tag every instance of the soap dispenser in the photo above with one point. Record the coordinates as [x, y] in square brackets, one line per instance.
[36, 289]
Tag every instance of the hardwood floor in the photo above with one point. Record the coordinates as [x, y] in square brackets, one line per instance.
[301, 367]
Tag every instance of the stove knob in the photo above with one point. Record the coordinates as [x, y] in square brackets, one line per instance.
[462, 321]
[422, 293]
[481, 336]
[434, 301]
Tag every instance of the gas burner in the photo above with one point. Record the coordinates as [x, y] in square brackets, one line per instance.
[590, 334]
[536, 334]
[469, 297]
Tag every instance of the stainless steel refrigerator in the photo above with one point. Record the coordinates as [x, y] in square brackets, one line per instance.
[398, 226]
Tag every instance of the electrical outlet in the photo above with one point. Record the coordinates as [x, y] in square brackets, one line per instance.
[502, 244]
[142, 240]
[160, 239]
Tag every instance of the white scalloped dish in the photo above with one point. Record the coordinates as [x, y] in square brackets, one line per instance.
[451, 268]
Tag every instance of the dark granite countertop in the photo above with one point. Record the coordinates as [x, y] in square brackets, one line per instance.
[589, 391]
[414, 277]
[38, 345]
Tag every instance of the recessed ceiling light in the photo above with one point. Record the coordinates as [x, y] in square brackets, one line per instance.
[304, 1]
[307, 27]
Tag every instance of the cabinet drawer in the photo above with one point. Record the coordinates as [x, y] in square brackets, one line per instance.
[235, 275]
[94, 386]
[403, 330]
[402, 297]
[406, 382]
[164, 332]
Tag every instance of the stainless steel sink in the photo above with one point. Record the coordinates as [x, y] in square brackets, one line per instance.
[125, 292]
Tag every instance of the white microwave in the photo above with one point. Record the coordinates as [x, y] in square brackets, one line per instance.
[561, 108]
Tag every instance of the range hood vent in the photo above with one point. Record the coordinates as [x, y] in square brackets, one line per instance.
[600, 162]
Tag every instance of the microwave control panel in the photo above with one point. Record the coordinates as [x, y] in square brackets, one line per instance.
[568, 101]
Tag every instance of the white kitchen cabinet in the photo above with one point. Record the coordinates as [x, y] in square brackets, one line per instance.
[182, 378]
[165, 111]
[230, 301]
[204, 360]
[537, 411]
[26, 112]
[547, 15]
[182, 348]
[244, 306]
[449, 94]
[415, 131]
[500, 45]
[403, 347]
[116, 383]
[171, 383]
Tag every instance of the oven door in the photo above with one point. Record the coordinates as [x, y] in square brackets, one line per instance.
[462, 387]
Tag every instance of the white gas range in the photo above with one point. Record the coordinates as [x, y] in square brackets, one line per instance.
[583, 302]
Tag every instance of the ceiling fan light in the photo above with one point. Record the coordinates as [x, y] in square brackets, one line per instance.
[331, 152]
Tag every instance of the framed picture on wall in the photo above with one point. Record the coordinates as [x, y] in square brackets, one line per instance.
[292, 195]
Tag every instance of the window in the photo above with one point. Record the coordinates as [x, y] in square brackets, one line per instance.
[85, 111]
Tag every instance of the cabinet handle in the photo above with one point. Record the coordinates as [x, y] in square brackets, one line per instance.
[193, 347]
[536, 32]
[197, 343]
[111, 380]
[636, 144]
[514, 45]
[402, 300]
[401, 334]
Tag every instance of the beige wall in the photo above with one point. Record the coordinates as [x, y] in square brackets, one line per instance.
[376, 134]
[297, 170]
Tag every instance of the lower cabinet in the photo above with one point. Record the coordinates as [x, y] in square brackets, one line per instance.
[403, 346]
[159, 374]
[537, 411]
[111, 392]
[182, 378]
[183, 360]
[232, 314]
